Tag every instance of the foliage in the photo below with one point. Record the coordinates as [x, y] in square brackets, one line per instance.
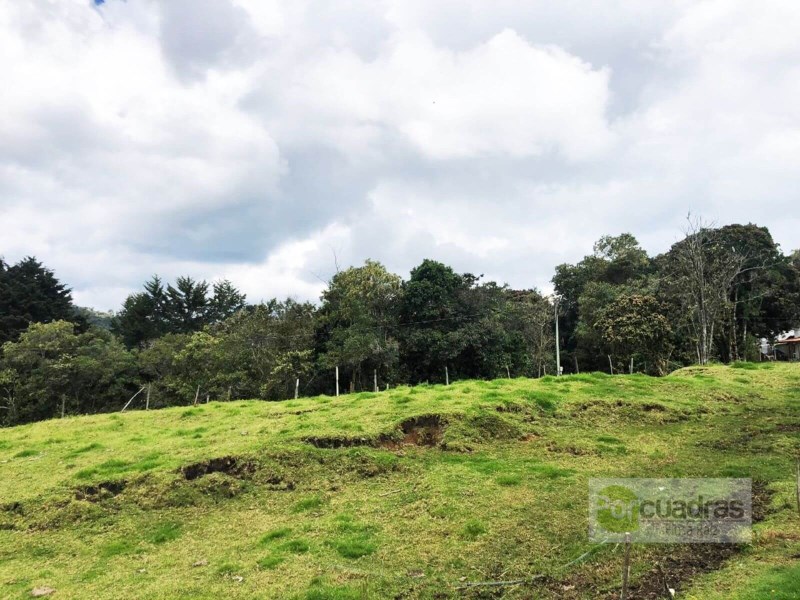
[30, 293]
[710, 297]
[185, 307]
[356, 321]
[635, 324]
[52, 370]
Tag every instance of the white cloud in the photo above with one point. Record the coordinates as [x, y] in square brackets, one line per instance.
[504, 96]
[253, 139]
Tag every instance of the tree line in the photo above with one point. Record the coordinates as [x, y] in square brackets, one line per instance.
[711, 296]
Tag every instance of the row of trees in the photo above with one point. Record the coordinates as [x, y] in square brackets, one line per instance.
[710, 297]
[713, 296]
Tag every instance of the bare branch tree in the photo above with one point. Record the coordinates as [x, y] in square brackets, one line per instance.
[704, 271]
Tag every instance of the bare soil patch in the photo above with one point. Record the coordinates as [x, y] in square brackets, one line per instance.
[230, 465]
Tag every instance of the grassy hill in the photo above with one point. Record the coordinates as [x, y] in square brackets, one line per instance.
[411, 493]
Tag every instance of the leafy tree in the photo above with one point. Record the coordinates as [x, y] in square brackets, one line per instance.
[52, 370]
[270, 345]
[357, 318]
[30, 293]
[758, 304]
[454, 321]
[618, 263]
[634, 325]
[430, 313]
[187, 366]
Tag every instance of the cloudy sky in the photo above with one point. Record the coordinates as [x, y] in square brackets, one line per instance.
[257, 139]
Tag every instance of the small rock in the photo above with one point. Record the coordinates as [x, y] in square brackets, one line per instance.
[200, 563]
[238, 578]
[142, 571]
[244, 433]
[40, 592]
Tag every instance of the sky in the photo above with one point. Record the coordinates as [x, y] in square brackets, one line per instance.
[267, 141]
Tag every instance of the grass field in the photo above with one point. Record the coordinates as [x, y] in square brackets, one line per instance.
[411, 493]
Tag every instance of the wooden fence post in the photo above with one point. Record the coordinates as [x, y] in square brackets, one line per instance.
[337, 382]
[296, 388]
[626, 567]
[196, 395]
[798, 485]
[147, 402]
[446, 377]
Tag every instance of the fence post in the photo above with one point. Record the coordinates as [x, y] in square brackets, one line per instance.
[798, 485]
[446, 377]
[196, 395]
[375, 379]
[337, 382]
[296, 388]
[626, 567]
[147, 402]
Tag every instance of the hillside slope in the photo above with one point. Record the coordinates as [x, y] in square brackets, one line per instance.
[411, 493]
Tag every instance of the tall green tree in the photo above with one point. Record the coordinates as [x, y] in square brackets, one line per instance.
[454, 320]
[617, 264]
[31, 293]
[636, 327]
[185, 307]
[357, 319]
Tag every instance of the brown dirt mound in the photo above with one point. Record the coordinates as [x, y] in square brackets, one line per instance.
[229, 465]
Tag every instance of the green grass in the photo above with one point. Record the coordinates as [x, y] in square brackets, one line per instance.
[99, 506]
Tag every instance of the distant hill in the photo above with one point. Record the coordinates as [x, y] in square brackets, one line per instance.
[95, 317]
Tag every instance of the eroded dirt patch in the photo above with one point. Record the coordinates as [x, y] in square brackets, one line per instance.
[100, 491]
[230, 465]
[424, 430]
[338, 441]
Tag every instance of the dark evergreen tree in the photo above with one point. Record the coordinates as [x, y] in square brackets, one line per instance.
[31, 293]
